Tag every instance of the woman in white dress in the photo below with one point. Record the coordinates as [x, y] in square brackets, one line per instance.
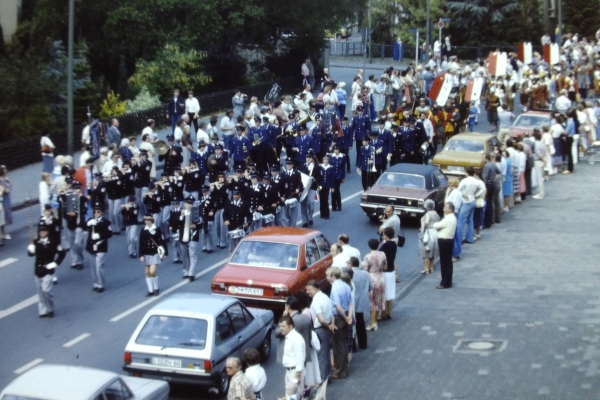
[47, 150]
[44, 190]
[379, 95]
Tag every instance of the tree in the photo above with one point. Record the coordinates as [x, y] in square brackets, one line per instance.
[476, 22]
[581, 16]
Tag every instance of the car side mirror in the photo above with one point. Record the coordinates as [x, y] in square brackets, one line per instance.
[303, 268]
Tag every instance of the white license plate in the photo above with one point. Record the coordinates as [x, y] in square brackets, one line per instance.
[166, 362]
[245, 290]
[456, 168]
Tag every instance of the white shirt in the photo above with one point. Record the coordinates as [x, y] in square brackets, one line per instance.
[309, 96]
[446, 227]
[178, 134]
[226, 122]
[257, 375]
[294, 351]
[562, 104]
[45, 140]
[107, 167]
[85, 135]
[83, 158]
[340, 260]
[428, 127]
[351, 252]
[192, 105]
[134, 150]
[321, 304]
[469, 187]
[455, 197]
[149, 131]
[202, 136]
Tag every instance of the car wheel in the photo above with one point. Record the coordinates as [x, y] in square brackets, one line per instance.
[222, 384]
[265, 348]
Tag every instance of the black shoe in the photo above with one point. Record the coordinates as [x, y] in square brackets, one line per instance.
[44, 315]
[310, 223]
[204, 250]
[192, 278]
[50, 314]
[135, 256]
[149, 294]
[117, 233]
[74, 266]
[326, 217]
[123, 229]
[100, 290]
[95, 289]
[222, 247]
[131, 256]
[305, 225]
[185, 277]
[209, 251]
[156, 292]
[79, 267]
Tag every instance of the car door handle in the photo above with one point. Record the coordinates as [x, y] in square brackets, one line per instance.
[239, 338]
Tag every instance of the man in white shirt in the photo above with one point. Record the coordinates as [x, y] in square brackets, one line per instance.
[294, 357]
[150, 131]
[470, 188]
[201, 135]
[192, 108]
[227, 126]
[323, 324]
[308, 93]
[339, 258]
[446, 228]
[350, 251]
[562, 103]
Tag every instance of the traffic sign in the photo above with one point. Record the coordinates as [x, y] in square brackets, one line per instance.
[440, 24]
[412, 30]
[445, 19]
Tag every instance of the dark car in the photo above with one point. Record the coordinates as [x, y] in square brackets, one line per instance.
[406, 187]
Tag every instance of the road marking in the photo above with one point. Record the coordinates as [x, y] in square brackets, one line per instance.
[77, 340]
[19, 306]
[29, 365]
[206, 271]
[8, 261]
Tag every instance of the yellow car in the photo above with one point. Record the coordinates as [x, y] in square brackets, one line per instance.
[465, 150]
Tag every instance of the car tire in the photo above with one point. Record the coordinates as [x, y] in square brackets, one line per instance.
[265, 348]
[222, 384]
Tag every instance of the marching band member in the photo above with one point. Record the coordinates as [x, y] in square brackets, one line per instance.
[165, 190]
[115, 188]
[48, 255]
[307, 206]
[254, 195]
[302, 144]
[153, 249]
[385, 136]
[130, 212]
[237, 215]
[174, 231]
[192, 180]
[395, 146]
[276, 184]
[408, 140]
[200, 157]
[218, 164]
[207, 212]
[128, 180]
[97, 245]
[365, 162]
[325, 187]
[177, 184]
[290, 188]
[271, 197]
[152, 202]
[98, 193]
[189, 235]
[338, 162]
[344, 143]
[75, 224]
[220, 196]
[240, 147]
[380, 153]
[141, 169]
[53, 223]
[173, 157]
[361, 126]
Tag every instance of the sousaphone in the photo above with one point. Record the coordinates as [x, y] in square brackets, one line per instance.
[161, 147]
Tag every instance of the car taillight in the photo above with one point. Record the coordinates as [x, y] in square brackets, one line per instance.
[127, 358]
[207, 366]
[217, 287]
[421, 204]
[281, 291]
[363, 198]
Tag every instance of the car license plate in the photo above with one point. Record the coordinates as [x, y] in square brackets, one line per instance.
[245, 290]
[166, 362]
[456, 168]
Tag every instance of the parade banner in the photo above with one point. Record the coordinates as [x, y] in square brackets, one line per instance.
[474, 88]
[497, 64]
[525, 52]
[95, 127]
[551, 52]
[441, 88]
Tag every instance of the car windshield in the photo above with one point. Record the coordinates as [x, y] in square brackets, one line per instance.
[168, 331]
[401, 180]
[470, 146]
[531, 121]
[266, 254]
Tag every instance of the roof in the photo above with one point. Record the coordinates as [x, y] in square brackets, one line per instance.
[416, 169]
[280, 234]
[194, 303]
[68, 382]
[474, 136]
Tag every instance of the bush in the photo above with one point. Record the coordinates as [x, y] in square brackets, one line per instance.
[143, 101]
[112, 106]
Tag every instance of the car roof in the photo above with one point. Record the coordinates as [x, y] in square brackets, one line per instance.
[194, 303]
[543, 113]
[473, 136]
[281, 234]
[68, 382]
[416, 169]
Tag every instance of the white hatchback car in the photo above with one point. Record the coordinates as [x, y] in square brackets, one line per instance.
[65, 382]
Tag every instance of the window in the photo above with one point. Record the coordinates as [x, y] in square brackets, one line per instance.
[249, 317]
[266, 254]
[223, 329]
[117, 390]
[237, 317]
[168, 331]
[402, 180]
[312, 252]
[465, 145]
[441, 178]
[323, 245]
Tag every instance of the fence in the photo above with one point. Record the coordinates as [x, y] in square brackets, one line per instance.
[25, 151]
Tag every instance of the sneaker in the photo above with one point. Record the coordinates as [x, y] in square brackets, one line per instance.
[566, 171]
[7, 237]
[455, 259]
[538, 197]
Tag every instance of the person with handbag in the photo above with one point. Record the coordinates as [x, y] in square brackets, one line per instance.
[152, 250]
[391, 220]
[47, 150]
[389, 248]
[428, 247]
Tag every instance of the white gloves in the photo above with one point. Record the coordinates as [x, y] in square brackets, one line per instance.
[31, 248]
[92, 222]
[52, 265]
[161, 251]
[95, 236]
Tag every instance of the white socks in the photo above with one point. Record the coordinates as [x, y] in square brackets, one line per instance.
[149, 283]
[155, 282]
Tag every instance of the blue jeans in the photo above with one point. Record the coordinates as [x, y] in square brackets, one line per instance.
[226, 141]
[465, 217]
[174, 119]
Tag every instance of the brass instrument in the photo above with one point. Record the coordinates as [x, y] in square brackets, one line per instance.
[306, 120]
[372, 158]
[161, 147]
[257, 140]
[71, 203]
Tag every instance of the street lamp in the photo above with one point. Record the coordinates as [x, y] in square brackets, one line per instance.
[70, 76]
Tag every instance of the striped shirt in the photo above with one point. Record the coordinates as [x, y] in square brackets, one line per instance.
[540, 151]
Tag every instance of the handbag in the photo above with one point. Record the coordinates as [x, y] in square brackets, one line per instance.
[479, 202]
[46, 149]
[401, 238]
[315, 342]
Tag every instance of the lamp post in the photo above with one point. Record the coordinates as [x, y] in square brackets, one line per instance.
[559, 39]
[428, 36]
[70, 76]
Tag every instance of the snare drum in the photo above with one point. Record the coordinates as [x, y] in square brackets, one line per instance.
[236, 234]
[291, 203]
[256, 216]
[268, 218]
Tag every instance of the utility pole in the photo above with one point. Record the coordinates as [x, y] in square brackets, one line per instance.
[369, 31]
[428, 35]
[559, 40]
[70, 76]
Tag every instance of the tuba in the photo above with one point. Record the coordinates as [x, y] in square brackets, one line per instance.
[161, 147]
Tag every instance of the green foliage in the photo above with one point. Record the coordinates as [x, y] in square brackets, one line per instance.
[112, 106]
[581, 16]
[418, 19]
[172, 68]
[143, 101]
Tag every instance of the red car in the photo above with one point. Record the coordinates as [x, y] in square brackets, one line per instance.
[273, 263]
[529, 120]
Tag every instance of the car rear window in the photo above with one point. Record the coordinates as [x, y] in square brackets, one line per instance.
[168, 331]
[531, 121]
[470, 146]
[16, 397]
[266, 254]
[396, 179]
